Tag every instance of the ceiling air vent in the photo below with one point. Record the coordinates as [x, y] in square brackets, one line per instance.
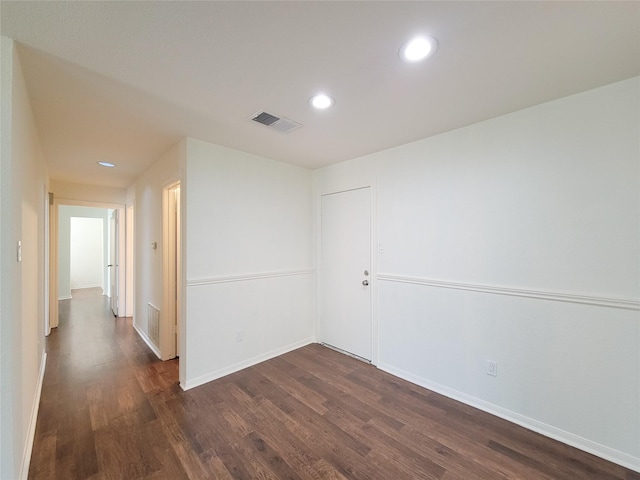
[283, 125]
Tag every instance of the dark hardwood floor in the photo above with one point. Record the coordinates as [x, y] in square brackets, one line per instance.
[111, 410]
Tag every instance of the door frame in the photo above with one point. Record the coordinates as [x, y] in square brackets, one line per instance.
[129, 307]
[53, 249]
[172, 320]
[374, 262]
[48, 205]
[114, 250]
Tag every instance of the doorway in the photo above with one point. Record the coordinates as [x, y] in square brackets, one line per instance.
[59, 256]
[83, 252]
[346, 312]
[170, 326]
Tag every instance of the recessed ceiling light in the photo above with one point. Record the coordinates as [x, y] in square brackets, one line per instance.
[107, 164]
[418, 49]
[321, 101]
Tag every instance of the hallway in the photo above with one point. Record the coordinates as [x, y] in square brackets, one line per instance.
[95, 412]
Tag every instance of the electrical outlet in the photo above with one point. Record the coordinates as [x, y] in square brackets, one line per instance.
[239, 336]
[492, 368]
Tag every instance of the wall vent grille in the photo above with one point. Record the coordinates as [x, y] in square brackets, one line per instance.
[153, 319]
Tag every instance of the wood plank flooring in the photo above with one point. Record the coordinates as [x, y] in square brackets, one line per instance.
[110, 410]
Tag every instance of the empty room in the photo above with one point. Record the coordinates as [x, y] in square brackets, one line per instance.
[350, 240]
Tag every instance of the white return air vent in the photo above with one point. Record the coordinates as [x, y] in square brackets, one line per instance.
[153, 324]
[283, 125]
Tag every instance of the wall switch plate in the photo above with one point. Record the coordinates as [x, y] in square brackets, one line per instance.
[19, 251]
[492, 368]
[239, 336]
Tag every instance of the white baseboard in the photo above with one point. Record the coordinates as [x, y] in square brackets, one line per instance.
[147, 340]
[31, 433]
[550, 431]
[201, 380]
[65, 298]
[80, 287]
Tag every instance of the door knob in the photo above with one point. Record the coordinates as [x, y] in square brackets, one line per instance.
[365, 282]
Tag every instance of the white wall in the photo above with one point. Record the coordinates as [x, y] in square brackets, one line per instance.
[87, 248]
[517, 240]
[147, 195]
[64, 253]
[248, 261]
[88, 193]
[65, 214]
[22, 212]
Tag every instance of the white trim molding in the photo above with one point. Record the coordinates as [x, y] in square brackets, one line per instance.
[247, 277]
[550, 431]
[31, 433]
[147, 340]
[622, 303]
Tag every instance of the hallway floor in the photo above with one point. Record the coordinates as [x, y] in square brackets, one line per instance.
[111, 410]
[96, 417]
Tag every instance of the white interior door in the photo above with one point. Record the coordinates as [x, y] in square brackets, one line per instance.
[346, 262]
[113, 261]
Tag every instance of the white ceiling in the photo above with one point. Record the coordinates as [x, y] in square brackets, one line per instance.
[123, 81]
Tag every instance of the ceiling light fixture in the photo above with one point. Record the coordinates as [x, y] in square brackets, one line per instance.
[418, 49]
[321, 101]
[107, 164]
